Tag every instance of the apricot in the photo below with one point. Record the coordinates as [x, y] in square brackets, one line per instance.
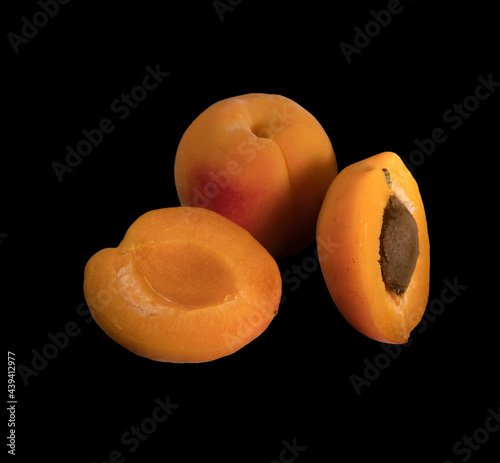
[377, 269]
[184, 285]
[262, 161]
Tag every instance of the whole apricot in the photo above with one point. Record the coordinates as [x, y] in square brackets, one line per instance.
[262, 161]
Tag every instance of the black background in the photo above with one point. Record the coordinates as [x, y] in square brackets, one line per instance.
[294, 381]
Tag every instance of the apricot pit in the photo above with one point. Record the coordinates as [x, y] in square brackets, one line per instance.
[398, 245]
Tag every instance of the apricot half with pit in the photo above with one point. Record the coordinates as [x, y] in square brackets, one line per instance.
[377, 272]
[184, 285]
[261, 160]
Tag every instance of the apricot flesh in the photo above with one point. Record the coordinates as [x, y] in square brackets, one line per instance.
[184, 285]
[352, 218]
[262, 161]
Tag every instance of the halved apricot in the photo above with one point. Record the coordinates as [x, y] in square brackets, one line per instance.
[184, 285]
[378, 271]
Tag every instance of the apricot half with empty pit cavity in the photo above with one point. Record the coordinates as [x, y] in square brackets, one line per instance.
[184, 285]
[378, 271]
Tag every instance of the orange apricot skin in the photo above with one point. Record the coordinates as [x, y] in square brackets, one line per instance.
[351, 220]
[127, 308]
[262, 161]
